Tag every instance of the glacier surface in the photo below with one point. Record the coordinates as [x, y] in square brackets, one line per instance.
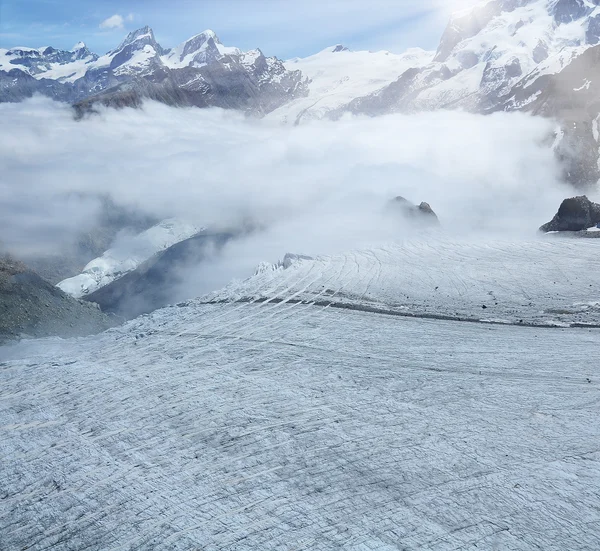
[277, 420]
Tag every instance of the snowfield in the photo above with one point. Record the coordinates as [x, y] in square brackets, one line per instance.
[337, 76]
[544, 281]
[127, 255]
[289, 425]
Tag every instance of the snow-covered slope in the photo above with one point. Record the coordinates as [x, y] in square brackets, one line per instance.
[126, 255]
[337, 76]
[198, 51]
[288, 426]
[540, 282]
[199, 72]
[49, 63]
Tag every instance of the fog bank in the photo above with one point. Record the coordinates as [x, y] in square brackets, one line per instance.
[317, 188]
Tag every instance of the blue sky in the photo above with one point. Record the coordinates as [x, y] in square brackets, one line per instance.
[285, 28]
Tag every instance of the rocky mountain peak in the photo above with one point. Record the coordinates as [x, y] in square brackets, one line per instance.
[138, 39]
[205, 40]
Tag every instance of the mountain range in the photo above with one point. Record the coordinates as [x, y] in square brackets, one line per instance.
[536, 56]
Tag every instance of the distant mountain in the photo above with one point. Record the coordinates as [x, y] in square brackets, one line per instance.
[538, 56]
[336, 76]
[200, 72]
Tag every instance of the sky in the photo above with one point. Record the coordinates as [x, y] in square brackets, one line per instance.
[283, 28]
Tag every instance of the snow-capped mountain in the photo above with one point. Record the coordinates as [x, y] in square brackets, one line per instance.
[201, 72]
[49, 63]
[198, 51]
[337, 75]
[486, 51]
[126, 256]
[528, 55]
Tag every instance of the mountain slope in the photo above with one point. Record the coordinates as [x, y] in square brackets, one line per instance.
[33, 307]
[126, 256]
[337, 75]
[200, 72]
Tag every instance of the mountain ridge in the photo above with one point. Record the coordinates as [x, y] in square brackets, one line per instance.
[536, 56]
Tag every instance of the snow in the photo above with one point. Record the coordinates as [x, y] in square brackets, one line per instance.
[535, 282]
[555, 63]
[126, 256]
[63, 72]
[282, 425]
[249, 58]
[448, 92]
[584, 86]
[336, 78]
[140, 61]
[175, 59]
[66, 72]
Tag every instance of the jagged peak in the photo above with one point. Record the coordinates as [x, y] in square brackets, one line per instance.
[207, 34]
[339, 48]
[79, 46]
[197, 41]
[134, 36]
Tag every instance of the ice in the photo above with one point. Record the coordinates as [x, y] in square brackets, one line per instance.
[534, 282]
[294, 426]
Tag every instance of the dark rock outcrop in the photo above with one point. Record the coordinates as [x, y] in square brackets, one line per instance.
[33, 307]
[574, 214]
[421, 215]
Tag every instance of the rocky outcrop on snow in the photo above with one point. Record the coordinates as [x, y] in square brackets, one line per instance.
[33, 307]
[574, 214]
[419, 216]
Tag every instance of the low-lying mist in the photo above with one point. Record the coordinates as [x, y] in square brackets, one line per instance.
[314, 189]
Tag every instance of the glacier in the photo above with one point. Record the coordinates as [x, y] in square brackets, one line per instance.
[268, 416]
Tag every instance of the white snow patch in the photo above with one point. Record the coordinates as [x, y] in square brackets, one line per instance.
[127, 256]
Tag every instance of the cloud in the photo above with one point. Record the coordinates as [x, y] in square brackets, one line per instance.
[316, 189]
[113, 22]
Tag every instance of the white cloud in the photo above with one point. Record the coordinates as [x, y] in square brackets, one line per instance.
[318, 188]
[113, 22]
[130, 17]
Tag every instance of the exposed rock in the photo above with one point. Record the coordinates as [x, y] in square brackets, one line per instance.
[31, 306]
[574, 214]
[290, 258]
[420, 215]
[566, 11]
